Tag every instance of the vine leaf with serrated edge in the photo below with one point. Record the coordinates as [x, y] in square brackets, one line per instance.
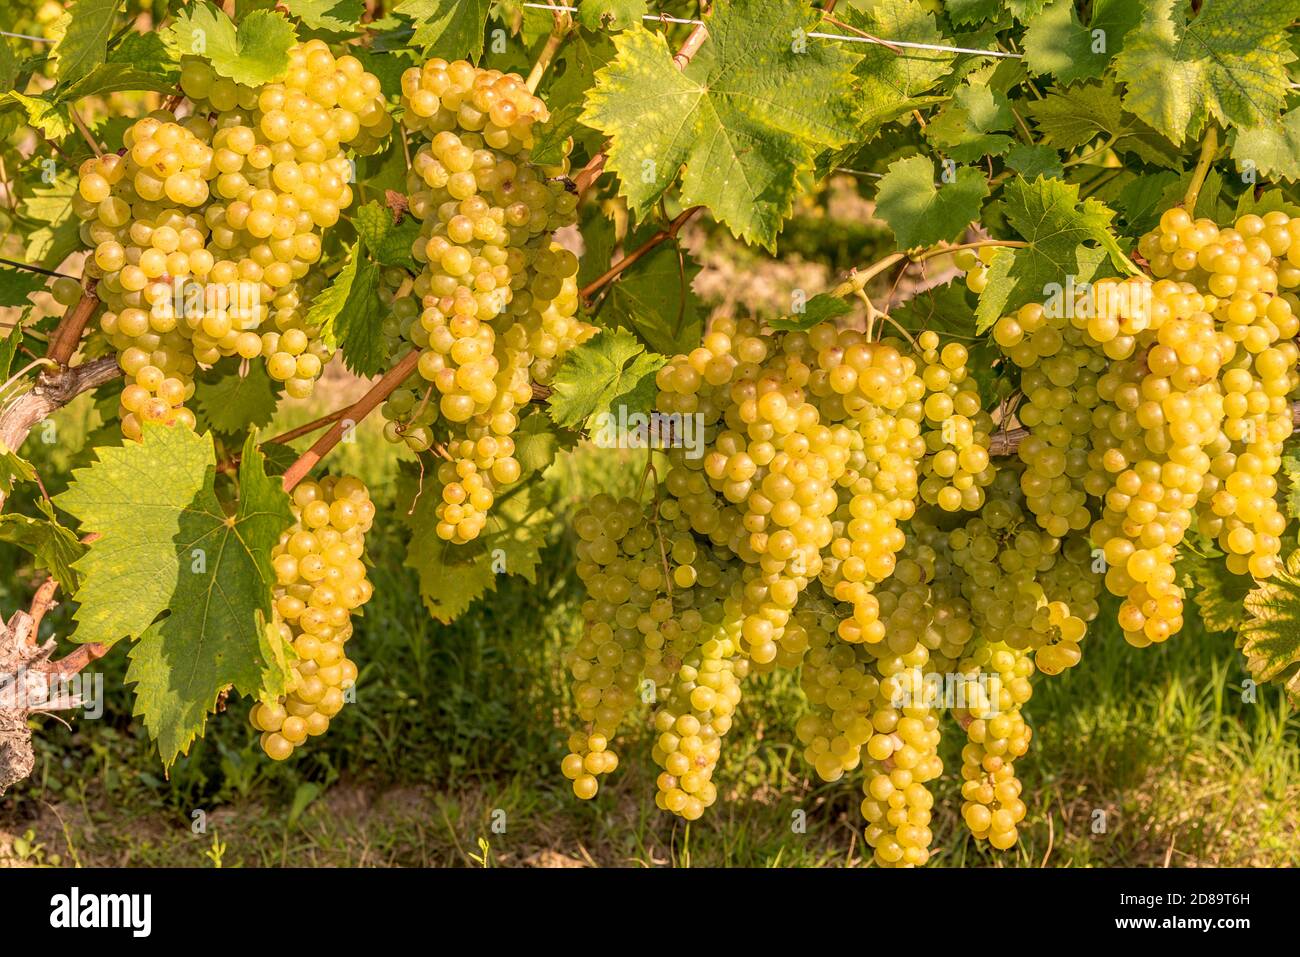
[1218, 593]
[611, 14]
[53, 547]
[142, 61]
[816, 310]
[9, 347]
[332, 16]
[389, 243]
[349, 315]
[52, 205]
[52, 119]
[233, 403]
[1056, 42]
[1048, 216]
[654, 300]
[254, 53]
[451, 29]
[167, 548]
[612, 369]
[566, 98]
[1227, 62]
[1074, 117]
[13, 469]
[1270, 636]
[17, 284]
[746, 118]
[82, 35]
[537, 441]
[451, 576]
[1273, 148]
[922, 214]
[973, 125]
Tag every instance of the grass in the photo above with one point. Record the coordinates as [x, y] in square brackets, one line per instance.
[450, 755]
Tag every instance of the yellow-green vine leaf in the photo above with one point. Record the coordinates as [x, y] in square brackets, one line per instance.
[172, 568]
[610, 370]
[1219, 594]
[451, 576]
[921, 213]
[746, 118]
[611, 14]
[53, 548]
[452, 29]
[1270, 637]
[1064, 237]
[254, 53]
[82, 35]
[13, 469]
[1226, 62]
[349, 315]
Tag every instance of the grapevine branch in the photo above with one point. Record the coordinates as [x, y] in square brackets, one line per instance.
[26, 688]
[67, 335]
[354, 413]
[668, 232]
[309, 427]
[52, 391]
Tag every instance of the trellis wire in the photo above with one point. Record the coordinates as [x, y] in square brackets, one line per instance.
[940, 48]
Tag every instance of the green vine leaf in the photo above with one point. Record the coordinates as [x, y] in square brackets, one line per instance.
[9, 347]
[52, 119]
[389, 244]
[142, 61]
[612, 369]
[17, 284]
[1291, 470]
[537, 442]
[350, 315]
[1270, 637]
[57, 236]
[1227, 62]
[1057, 42]
[1058, 228]
[890, 76]
[1272, 148]
[1072, 118]
[746, 118]
[167, 547]
[82, 34]
[53, 548]
[332, 16]
[452, 577]
[611, 14]
[9, 65]
[654, 299]
[13, 469]
[967, 12]
[451, 29]
[972, 126]
[582, 55]
[1219, 595]
[921, 213]
[1034, 161]
[233, 403]
[816, 310]
[254, 53]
